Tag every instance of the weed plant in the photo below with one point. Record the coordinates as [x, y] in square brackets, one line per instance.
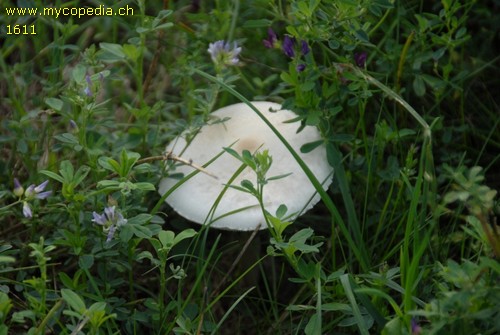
[404, 94]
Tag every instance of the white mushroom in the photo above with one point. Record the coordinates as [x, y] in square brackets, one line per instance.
[238, 210]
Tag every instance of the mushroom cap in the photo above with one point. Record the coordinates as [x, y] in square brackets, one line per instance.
[238, 210]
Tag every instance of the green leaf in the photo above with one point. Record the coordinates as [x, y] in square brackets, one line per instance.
[161, 16]
[109, 164]
[139, 219]
[115, 184]
[80, 174]
[53, 175]
[278, 224]
[306, 270]
[302, 235]
[307, 86]
[188, 233]
[362, 36]
[391, 172]
[358, 319]
[7, 259]
[313, 327]
[287, 78]
[73, 300]
[131, 52]
[247, 184]
[342, 138]
[281, 211]
[394, 327]
[143, 186]
[419, 86]
[66, 170]
[55, 104]
[308, 147]
[164, 26]
[78, 73]
[233, 153]
[97, 306]
[86, 261]
[142, 30]
[239, 188]
[336, 306]
[128, 230]
[333, 44]
[313, 118]
[434, 82]
[127, 161]
[111, 52]
[166, 238]
[67, 138]
[281, 176]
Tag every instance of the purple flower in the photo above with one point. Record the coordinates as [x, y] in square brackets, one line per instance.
[88, 89]
[73, 125]
[301, 67]
[99, 219]
[111, 233]
[272, 39]
[27, 210]
[304, 48]
[415, 328]
[111, 220]
[360, 58]
[223, 55]
[288, 46]
[32, 192]
[41, 187]
[36, 191]
[18, 188]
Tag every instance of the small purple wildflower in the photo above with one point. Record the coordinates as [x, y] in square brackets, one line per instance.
[36, 191]
[111, 220]
[27, 210]
[100, 219]
[18, 188]
[360, 58]
[301, 67]
[73, 125]
[223, 55]
[32, 192]
[288, 46]
[415, 327]
[272, 39]
[111, 233]
[41, 187]
[304, 48]
[88, 89]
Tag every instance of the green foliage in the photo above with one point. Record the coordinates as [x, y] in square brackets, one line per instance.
[467, 300]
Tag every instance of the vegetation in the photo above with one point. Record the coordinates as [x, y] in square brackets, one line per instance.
[404, 93]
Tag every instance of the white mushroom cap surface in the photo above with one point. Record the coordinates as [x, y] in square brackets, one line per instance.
[194, 198]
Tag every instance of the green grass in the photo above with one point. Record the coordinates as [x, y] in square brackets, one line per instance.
[404, 241]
